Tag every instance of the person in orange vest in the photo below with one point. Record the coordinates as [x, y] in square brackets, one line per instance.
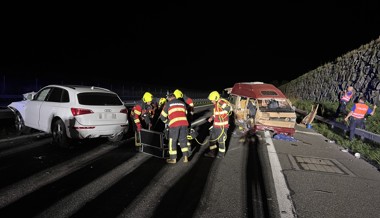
[218, 132]
[357, 114]
[141, 114]
[174, 114]
[344, 99]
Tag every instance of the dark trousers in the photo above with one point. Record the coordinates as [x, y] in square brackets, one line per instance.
[178, 134]
[218, 135]
[137, 136]
[354, 122]
[341, 109]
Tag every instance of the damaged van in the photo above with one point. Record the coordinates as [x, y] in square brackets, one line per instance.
[262, 106]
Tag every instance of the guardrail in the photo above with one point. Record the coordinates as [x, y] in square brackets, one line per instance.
[359, 132]
[196, 101]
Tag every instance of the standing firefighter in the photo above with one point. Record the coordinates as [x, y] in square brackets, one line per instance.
[189, 109]
[189, 102]
[174, 114]
[142, 114]
[218, 132]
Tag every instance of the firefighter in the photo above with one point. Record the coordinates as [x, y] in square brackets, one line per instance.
[174, 114]
[189, 109]
[218, 132]
[189, 101]
[159, 126]
[161, 103]
[141, 114]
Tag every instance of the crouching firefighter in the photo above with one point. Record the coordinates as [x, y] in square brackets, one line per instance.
[218, 132]
[174, 114]
[141, 116]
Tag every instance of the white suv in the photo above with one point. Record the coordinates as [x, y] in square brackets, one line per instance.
[72, 112]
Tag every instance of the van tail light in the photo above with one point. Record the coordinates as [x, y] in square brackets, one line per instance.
[125, 111]
[80, 111]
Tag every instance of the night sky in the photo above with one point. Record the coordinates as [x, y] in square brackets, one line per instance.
[184, 44]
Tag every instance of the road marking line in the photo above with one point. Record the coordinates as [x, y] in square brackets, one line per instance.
[285, 204]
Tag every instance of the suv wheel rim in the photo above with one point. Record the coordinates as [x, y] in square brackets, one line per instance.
[58, 133]
[19, 123]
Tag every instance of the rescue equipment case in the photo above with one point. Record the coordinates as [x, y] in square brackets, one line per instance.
[153, 143]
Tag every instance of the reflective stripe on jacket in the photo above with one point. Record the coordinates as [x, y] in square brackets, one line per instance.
[137, 111]
[221, 113]
[346, 97]
[175, 111]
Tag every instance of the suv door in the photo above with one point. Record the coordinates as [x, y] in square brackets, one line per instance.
[56, 104]
[32, 110]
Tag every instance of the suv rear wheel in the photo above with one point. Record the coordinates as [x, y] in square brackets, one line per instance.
[59, 134]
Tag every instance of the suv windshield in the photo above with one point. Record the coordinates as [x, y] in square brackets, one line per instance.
[95, 98]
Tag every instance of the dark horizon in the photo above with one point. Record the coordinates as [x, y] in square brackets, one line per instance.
[185, 45]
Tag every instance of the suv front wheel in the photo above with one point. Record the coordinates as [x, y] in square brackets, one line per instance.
[59, 134]
[20, 125]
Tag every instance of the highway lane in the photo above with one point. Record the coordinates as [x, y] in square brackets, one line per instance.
[102, 179]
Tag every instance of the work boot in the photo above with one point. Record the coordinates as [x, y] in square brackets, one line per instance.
[220, 155]
[211, 153]
[138, 148]
[185, 159]
[171, 161]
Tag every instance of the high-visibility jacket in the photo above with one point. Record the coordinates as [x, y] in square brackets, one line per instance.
[142, 111]
[360, 110]
[222, 109]
[189, 103]
[174, 112]
[347, 96]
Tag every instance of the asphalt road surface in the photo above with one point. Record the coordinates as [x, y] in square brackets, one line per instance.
[96, 178]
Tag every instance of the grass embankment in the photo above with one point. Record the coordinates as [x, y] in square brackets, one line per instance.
[368, 150]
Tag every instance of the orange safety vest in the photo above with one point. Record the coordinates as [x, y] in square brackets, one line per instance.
[346, 97]
[360, 110]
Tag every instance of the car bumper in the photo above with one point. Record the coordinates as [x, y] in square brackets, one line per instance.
[83, 132]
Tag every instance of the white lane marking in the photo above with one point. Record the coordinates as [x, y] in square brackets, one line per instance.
[285, 204]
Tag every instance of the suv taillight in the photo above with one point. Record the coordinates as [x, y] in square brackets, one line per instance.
[80, 111]
[125, 111]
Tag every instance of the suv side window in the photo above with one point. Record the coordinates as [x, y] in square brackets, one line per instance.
[98, 98]
[41, 96]
[58, 95]
[65, 96]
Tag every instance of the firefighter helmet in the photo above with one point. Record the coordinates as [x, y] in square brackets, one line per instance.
[147, 97]
[161, 102]
[214, 96]
[178, 94]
